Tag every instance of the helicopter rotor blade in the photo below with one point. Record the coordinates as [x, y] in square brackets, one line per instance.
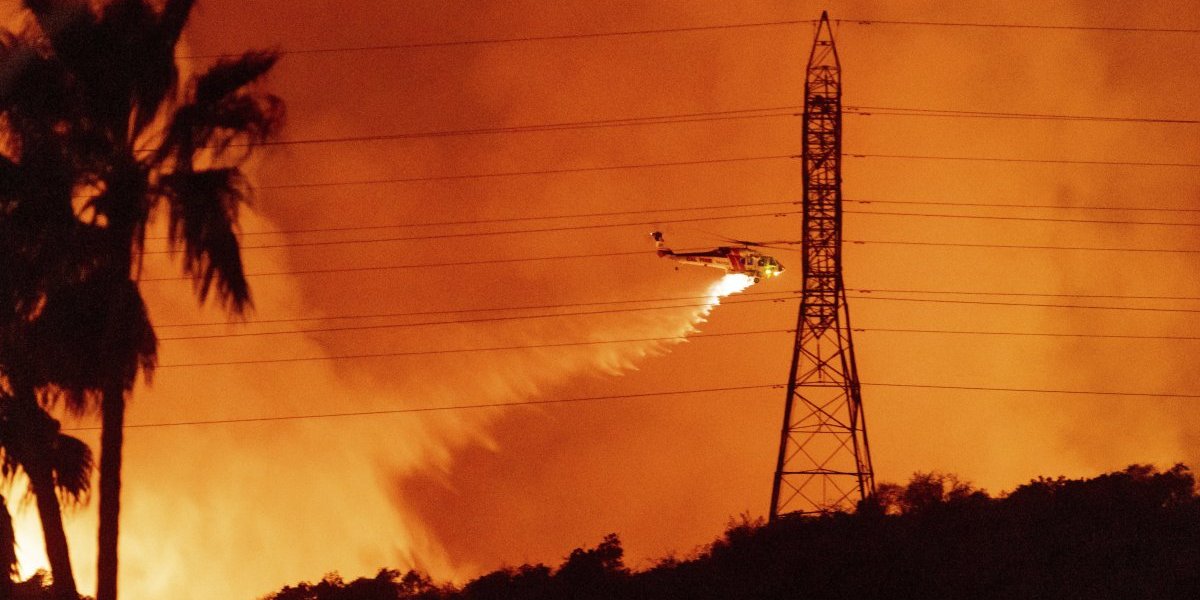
[771, 244]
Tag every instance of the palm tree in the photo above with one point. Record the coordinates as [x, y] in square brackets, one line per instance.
[58, 467]
[93, 103]
[8, 552]
[35, 195]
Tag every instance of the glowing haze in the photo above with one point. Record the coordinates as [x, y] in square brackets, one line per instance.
[239, 509]
[260, 491]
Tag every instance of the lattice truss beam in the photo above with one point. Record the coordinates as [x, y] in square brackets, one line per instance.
[824, 460]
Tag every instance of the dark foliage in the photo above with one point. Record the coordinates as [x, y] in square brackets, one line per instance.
[387, 584]
[1128, 534]
[37, 587]
[97, 134]
[8, 551]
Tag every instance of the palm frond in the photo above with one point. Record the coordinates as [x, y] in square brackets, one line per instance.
[72, 463]
[93, 333]
[147, 41]
[34, 88]
[230, 76]
[69, 27]
[60, 19]
[202, 213]
[174, 15]
[223, 110]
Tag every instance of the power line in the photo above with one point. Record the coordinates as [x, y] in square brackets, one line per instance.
[514, 219]
[702, 117]
[492, 233]
[1028, 304]
[694, 117]
[649, 223]
[1027, 160]
[673, 30]
[935, 112]
[462, 311]
[1010, 293]
[551, 401]
[422, 313]
[869, 22]
[645, 252]
[724, 303]
[506, 219]
[1012, 218]
[465, 321]
[395, 411]
[513, 40]
[492, 261]
[782, 296]
[1026, 247]
[261, 361]
[464, 263]
[390, 180]
[721, 207]
[612, 311]
[712, 161]
[1032, 334]
[1048, 206]
[1031, 390]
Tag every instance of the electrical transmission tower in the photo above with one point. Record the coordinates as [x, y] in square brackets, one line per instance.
[824, 459]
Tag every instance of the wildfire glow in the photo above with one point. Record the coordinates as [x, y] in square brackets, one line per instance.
[257, 500]
[382, 529]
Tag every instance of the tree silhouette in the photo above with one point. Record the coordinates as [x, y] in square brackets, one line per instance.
[29, 438]
[387, 584]
[58, 467]
[596, 572]
[8, 551]
[93, 106]
[1128, 534]
[527, 582]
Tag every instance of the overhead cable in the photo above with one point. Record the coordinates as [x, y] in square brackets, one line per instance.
[421, 409]
[496, 261]
[552, 401]
[513, 40]
[1032, 26]
[334, 357]
[344, 328]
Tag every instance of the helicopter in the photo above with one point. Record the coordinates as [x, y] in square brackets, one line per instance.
[731, 259]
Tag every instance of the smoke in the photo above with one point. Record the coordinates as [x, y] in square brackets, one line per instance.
[1002, 439]
[233, 509]
[263, 504]
[303, 497]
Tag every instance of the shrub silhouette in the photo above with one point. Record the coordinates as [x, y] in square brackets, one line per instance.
[1133, 533]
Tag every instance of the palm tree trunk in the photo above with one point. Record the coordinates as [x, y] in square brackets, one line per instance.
[8, 552]
[112, 433]
[34, 449]
[41, 480]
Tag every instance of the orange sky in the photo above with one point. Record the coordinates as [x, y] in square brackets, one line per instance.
[461, 492]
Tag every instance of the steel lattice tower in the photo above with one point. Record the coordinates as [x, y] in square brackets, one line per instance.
[824, 459]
